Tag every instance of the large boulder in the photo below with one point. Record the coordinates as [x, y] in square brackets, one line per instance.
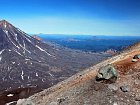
[107, 72]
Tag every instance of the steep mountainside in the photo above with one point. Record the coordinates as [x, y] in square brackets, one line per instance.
[84, 89]
[26, 62]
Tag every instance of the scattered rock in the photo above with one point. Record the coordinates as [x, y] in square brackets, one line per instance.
[107, 73]
[112, 87]
[135, 58]
[28, 102]
[11, 103]
[137, 98]
[137, 82]
[96, 87]
[125, 88]
[20, 101]
[60, 100]
[25, 102]
[53, 103]
[137, 102]
[115, 103]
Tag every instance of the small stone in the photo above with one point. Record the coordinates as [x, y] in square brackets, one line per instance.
[20, 101]
[136, 56]
[60, 100]
[121, 98]
[25, 102]
[53, 103]
[28, 102]
[125, 88]
[137, 97]
[137, 102]
[115, 103]
[115, 96]
[136, 82]
[128, 100]
[112, 87]
[96, 88]
[134, 60]
[110, 101]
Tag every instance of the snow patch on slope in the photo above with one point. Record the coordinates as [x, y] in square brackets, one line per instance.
[1, 53]
[22, 77]
[43, 50]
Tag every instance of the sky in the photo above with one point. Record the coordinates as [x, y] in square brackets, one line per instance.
[84, 17]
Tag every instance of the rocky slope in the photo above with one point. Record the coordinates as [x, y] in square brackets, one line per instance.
[28, 64]
[84, 89]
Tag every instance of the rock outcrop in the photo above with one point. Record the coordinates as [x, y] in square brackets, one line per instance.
[107, 73]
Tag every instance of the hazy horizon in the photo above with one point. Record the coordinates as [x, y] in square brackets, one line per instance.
[84, 17]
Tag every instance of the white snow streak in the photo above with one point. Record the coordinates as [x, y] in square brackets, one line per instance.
[5, 25]
[10, 103]
[24, 49]
[36, 74]
[50, 74]
[18, 53]
[10, 95]
[22, 73]
[43, 80]
[13, 62]
[6, 32]
[22, 77]
[43, 50]
[28, 40]
[2, 51]
[28, 77]
[39, 48]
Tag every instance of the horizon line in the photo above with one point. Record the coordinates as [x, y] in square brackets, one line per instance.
[78, 34]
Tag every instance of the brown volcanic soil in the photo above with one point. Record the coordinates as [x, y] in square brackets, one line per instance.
[17, 93]
[83, 89]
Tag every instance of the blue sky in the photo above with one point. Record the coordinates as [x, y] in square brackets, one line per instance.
[92, 17]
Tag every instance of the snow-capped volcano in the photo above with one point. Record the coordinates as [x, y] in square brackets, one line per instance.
[27, 62]
[22, 58]
[16, 40]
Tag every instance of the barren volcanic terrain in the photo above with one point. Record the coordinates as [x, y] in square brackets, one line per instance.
[84, 89]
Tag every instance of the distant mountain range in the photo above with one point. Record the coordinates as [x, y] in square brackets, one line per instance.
[91, 43]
